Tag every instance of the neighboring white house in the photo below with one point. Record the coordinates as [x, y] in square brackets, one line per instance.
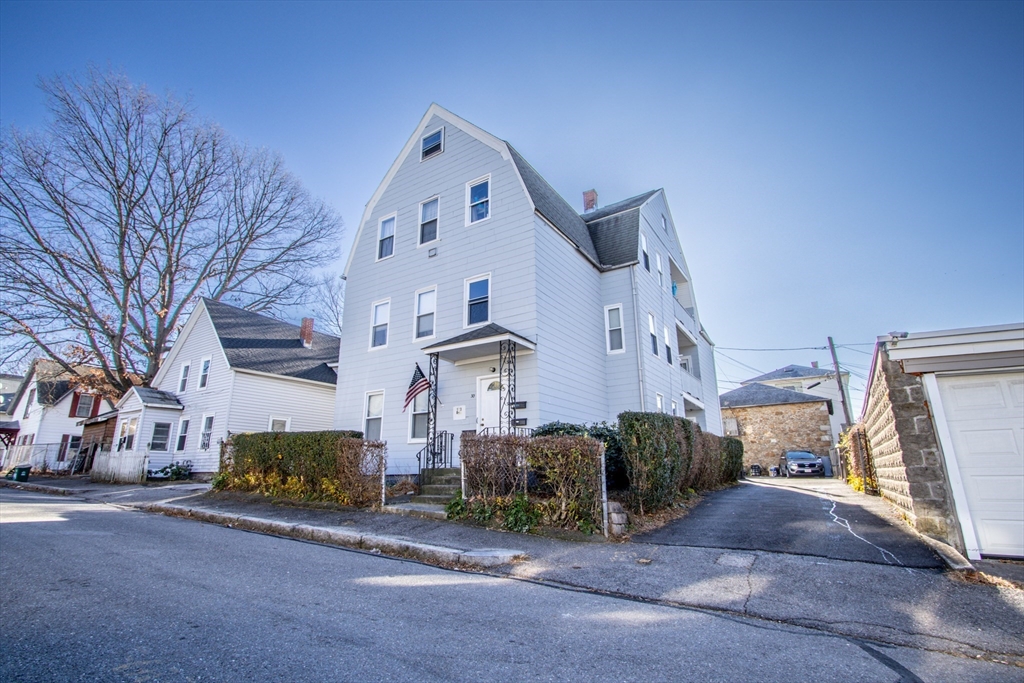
[45, 413]
[814, 381]
[961, 393]
[519, 310]
[229, 371]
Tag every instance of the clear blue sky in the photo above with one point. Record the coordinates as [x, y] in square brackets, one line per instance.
[839, 169]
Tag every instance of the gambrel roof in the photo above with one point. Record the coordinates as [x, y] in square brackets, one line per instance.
[255, 342]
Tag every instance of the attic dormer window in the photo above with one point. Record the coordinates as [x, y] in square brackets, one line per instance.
[432, 144]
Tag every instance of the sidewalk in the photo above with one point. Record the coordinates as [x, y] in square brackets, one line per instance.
[925, 609]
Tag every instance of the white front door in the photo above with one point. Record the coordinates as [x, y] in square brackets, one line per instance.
[488, 403]
[985, 414]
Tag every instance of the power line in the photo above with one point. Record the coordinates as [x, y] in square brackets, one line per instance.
[795, 348]
[742, 364]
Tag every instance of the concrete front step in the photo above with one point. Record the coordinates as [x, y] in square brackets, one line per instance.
[417, 510]
[439, 490]
[446, 480]
[430, 500]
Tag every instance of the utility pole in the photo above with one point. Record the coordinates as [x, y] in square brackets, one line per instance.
[842, 389]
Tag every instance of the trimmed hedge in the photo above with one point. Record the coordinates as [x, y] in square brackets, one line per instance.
[615, 467]
[665, 456]
[336, 466]
[519, 481]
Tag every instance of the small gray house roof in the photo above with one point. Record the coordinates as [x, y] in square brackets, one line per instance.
[551, 205]
[485, 332]
[157, 398]
[790, 372]
[764, 395]
[255, 342]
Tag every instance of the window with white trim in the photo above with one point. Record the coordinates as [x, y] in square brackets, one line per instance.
[675, 408]
[428, 220]
[204, 372]
[685, 363]
[613, 328]
[380, 316]
[126, 439]
[161, 436]
[84, 406]
[654, 333]
[418, 419]
[661, 275]
[183, 377]
[374, 416]
[478, 200]
[426, 307]
[28, 403]
[182, 434]
[207, 434]
[386, 237]
[279, 424]
[643, 249]
[659, 401]
[432, 144]
[668, 346]
[664, 223]
[478, 300]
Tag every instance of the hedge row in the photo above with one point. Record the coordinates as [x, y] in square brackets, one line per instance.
[336, 466]
[666, 455]
[519, 481]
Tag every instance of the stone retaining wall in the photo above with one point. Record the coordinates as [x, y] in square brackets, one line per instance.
[768, 431]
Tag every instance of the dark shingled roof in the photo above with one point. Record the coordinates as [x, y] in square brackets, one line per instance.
[155, 397]
[624, 205]
[484, 332]
[48, 392]
[617, 237]
[790, 372]
[256, 342]
[551, 205]
[764, 395]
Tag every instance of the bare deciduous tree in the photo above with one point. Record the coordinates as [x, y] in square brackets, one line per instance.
[126, 209]
[328, 302]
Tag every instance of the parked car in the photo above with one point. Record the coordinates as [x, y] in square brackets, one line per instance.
[801, 463]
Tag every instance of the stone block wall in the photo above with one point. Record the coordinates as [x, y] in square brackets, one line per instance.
[905, 451]
[768, 431]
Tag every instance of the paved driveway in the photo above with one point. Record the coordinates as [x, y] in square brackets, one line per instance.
[817, 517]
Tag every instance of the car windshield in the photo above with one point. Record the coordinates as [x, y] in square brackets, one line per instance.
[801, 456]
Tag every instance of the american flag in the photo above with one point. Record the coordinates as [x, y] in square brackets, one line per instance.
[418, 385]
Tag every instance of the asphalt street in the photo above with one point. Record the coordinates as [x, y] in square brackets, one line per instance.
[798, 517]
[96, 592]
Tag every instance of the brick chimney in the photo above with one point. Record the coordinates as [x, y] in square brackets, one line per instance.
[589, 201]
[306, 332]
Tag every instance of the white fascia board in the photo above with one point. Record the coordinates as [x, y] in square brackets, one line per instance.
[121, 401]
[687, 396]
[442, 113]
[287, 378]
[961, 344]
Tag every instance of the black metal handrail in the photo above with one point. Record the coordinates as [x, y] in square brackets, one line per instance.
[438, 453]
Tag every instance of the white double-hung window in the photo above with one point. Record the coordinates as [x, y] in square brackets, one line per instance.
[204, 372]
[428, 220]
[418, 419]
[426, 306]
[654, 333]
[183, 380]
[386, 238]
[661, 275]
[643, 250]
[478, 300]
[374, 415]
[379, 324]
[613, 327]
[432, 143]
[668, 346]
[478, 200]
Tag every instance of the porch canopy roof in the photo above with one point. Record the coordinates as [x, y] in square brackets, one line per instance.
[478, 344]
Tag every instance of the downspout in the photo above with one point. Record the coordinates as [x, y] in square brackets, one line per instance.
[636, 331]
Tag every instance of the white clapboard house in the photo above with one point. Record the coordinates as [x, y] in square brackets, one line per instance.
[518, 309]
[229, 371]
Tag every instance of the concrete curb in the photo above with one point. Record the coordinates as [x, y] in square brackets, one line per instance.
[387, 545]
[950, 555]
[38, 488]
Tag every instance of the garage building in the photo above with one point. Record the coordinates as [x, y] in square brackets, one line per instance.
[944, 414]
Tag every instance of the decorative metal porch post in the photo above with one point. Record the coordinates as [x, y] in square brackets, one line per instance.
[507, 376]
[432, 409]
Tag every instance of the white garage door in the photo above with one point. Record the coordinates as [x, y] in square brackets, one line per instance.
[985, 413]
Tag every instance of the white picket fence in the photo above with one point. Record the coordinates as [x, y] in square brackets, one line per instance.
[127, 467]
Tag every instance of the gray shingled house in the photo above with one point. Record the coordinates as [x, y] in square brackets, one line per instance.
[518, 309]
[229, 371]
